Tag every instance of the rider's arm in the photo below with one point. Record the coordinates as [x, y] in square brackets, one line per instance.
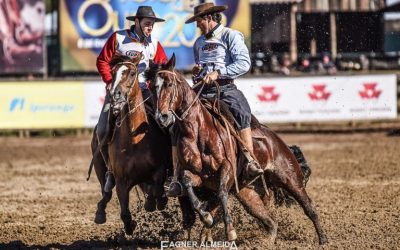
[196, 52]
[240, 59]
[160, 56]
[104, 58]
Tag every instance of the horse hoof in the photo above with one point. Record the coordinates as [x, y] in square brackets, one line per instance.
[208, 220]
[150, 205]
[323, 240]
[129, 229]
[162, 203]
[100, 217]
[232, 236]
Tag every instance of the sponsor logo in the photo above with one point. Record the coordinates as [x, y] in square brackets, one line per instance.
[268, 94]
[209, 47]
[319, 93]
[17, 104]
[133, 54]
[370, 91]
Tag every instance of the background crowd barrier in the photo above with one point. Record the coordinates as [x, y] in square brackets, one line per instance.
[77, 104]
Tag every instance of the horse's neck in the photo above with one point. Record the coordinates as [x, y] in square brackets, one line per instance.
[192, 105]
[189, 104]
[137, 114]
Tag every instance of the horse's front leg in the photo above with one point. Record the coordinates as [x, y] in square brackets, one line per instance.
[226, 181]
[187, 182]
[123, 197]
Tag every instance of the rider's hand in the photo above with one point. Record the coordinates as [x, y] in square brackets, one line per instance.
[210, 77]
[109, 86]
[196, 69]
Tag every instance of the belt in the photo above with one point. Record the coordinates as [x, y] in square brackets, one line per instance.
[223, 82]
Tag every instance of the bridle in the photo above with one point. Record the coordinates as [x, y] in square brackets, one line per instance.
[126, 101]
[175, 95]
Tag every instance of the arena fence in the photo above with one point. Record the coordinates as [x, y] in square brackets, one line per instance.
[77, 104]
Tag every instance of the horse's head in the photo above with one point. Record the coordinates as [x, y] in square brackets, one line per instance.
[164, 84]
[125, 76]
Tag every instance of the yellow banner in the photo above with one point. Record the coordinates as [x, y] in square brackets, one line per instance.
[37, 105]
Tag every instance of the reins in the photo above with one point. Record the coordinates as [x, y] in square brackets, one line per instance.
[175, 92]
[118, 123]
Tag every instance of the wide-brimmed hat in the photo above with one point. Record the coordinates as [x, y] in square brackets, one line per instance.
[145, 11]
[205, 9]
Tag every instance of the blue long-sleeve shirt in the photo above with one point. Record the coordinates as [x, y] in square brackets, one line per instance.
[225, 51]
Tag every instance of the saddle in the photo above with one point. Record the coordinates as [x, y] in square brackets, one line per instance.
[223, 108]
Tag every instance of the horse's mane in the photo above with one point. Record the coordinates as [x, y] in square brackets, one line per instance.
[118, 59]
[151, 73]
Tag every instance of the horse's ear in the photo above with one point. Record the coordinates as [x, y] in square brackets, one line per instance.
[152, 64]
[171, 63]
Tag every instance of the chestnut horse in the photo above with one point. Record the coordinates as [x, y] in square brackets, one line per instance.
[139, 151]
[208, 154]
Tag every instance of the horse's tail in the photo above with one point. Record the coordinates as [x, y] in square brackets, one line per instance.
[281, 196]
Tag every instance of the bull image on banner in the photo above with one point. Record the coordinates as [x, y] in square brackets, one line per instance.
[21, 36]
[86, 25]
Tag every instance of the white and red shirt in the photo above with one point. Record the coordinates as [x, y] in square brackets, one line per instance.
[127, 42]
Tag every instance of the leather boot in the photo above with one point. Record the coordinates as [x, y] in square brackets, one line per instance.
[252, 168]
[175, 187]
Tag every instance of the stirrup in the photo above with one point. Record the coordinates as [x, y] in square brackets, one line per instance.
[253, 168]
[173, 190]
[110, 182]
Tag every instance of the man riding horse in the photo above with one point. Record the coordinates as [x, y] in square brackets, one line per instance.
[133, 42]
[221, 56]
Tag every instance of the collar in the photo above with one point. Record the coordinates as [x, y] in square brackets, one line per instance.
[134, 36]
[217, 29]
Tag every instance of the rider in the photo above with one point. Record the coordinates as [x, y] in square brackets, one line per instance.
[129, 42]
[221, 55]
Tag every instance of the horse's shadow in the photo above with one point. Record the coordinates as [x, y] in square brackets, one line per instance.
[113, 242]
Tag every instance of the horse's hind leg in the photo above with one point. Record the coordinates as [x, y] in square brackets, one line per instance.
[296, 189]
[255, 206]
[188, 215]
[123, 197]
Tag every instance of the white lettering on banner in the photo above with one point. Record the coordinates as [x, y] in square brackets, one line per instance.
[324, 98]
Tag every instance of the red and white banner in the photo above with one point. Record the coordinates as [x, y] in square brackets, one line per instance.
[297, 99]
[94, 95]
[330, 98]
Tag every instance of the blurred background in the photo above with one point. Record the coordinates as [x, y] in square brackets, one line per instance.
[312, 60]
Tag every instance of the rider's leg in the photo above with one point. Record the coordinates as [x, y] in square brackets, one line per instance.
[253, 167]
[241, 111]
[103, 130]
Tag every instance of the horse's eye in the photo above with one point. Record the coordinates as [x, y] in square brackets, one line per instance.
[169, 85]
[132, 74]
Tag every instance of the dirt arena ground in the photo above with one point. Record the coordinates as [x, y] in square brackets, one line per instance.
[45, 201]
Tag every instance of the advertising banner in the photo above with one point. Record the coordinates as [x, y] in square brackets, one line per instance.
[321, 98]
[22, 36]
[41, 105]
[94, 99]
[85, 26]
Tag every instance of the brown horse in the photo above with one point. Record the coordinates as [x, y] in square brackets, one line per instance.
[139, 151]
[208, 155]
